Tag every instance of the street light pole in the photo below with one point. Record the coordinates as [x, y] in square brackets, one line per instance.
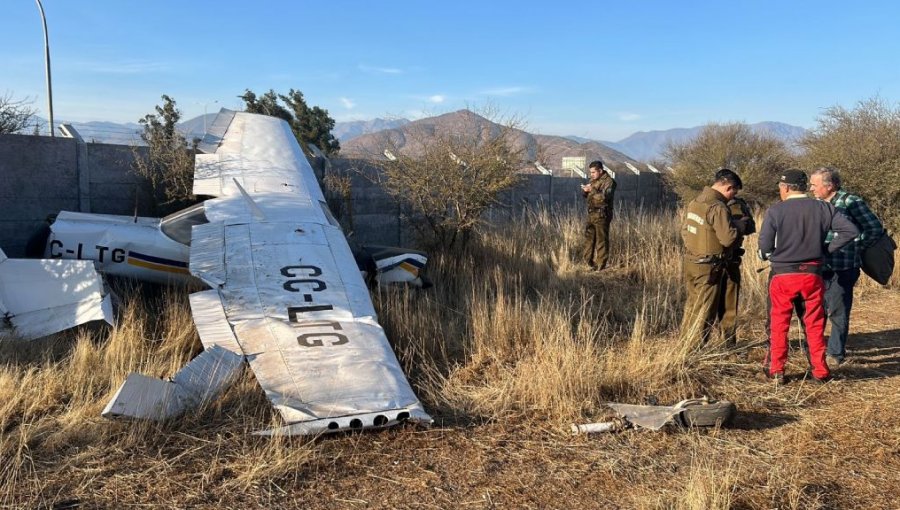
[47, 61]
[204, 114]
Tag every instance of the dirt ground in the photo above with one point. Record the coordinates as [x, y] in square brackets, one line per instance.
[801, 445]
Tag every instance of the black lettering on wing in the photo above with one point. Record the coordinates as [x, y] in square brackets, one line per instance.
[313, 271]
[294, 311]
[317, 339]
[292, 285]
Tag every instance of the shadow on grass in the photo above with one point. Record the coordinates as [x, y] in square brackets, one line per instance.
[49, 349]
[872, 355]
[749, 420]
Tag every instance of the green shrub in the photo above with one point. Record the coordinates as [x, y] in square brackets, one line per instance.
[759, 159]
[864, 145]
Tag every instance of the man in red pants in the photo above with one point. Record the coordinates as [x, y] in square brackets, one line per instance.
[793, 238]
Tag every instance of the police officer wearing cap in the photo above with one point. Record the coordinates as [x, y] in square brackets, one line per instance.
[792, 238]
[707, 231]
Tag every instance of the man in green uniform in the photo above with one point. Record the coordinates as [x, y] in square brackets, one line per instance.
[707, 231]
[599, 195]
[730, 284]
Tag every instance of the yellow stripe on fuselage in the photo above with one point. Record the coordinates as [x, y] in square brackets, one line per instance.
[157, 267]
[410, 268]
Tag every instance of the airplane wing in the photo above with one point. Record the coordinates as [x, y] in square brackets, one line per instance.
[287, 287]
[42, 297]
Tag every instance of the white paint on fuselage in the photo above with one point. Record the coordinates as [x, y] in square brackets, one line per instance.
[133, 247]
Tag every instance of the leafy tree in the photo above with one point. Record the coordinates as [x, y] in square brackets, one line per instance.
[16, 115]
[267, 104]
[310, 125]
[864, 145]
[448, 179]
[759, 158]
[169, 163]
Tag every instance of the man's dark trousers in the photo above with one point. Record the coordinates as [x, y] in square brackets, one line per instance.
[838, 303]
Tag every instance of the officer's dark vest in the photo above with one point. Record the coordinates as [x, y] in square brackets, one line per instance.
[699, 236]
[597, 199]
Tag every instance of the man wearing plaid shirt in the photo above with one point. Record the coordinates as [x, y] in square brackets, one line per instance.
[842, 266]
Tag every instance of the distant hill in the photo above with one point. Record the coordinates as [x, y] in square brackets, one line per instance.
[127, 133]
[548, 150]
[345, 131]
[641, 146]
[649, 145]
[580, 139]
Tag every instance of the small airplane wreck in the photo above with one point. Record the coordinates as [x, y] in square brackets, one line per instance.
[286, 293]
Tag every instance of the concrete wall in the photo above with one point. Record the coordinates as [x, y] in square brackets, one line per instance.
[40, 176]
[375, 217]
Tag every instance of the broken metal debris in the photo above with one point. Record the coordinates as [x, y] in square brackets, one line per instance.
[42, 297]
[696, 412]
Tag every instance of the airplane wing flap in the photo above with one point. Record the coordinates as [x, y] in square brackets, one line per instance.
[241, 304]
[207, 253]
[212, 325]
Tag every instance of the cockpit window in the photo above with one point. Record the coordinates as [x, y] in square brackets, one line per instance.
[177, 226]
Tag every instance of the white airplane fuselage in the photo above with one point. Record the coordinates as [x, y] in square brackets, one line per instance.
[151, 249]
[133, 247]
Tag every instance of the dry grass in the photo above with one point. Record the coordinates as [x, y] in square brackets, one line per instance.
[514, 343]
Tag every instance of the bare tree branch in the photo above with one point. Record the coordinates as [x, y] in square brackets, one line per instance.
[16, 115]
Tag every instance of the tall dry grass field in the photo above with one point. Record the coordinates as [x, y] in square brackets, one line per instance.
[515, 342]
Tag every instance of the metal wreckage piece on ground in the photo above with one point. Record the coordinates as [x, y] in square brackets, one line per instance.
[692, 412]
[40, 297]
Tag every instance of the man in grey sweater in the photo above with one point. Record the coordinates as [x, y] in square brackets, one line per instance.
[792, 238]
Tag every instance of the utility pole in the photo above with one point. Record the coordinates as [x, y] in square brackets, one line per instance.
[47, 61]
[204, 112]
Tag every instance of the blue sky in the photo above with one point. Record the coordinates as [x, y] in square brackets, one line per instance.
[595, 69]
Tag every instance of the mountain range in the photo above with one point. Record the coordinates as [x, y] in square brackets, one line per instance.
[127, 133]
[649, 145]
[645, 146]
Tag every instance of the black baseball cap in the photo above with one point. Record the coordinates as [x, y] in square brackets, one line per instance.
[795, 177]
